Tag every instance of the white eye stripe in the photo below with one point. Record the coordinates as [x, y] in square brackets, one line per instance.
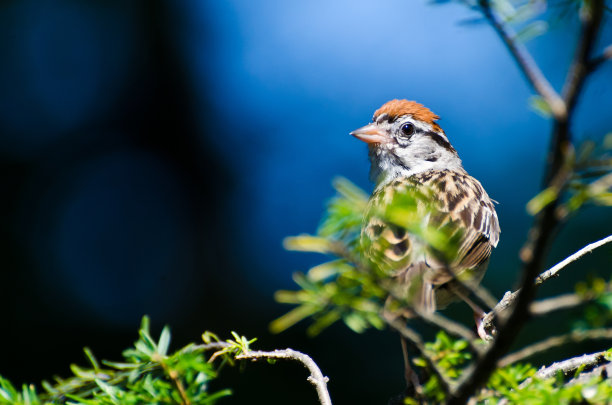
[381, 118]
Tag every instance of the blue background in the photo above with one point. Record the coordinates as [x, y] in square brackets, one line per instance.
[155, 153]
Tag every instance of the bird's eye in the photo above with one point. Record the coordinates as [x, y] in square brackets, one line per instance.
[407, 129]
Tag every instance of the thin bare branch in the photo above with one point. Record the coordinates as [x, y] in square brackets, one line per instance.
[553, 271]
[526, 63]
[415, 340]
[453, 328]
[316, 377]
[208, 346]
[591, 14]
[555, 341]
[510, 297]
[596, 62]
[558, 303]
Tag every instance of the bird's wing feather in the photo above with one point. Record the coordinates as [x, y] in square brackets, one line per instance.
[466, 202]
[459, 202]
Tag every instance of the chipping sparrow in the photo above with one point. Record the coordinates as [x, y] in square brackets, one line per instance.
[409, 152]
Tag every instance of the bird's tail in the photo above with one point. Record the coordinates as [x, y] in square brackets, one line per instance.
[416, 290]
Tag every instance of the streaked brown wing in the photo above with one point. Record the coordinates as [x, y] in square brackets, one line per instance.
[467, 205]
[459, 201]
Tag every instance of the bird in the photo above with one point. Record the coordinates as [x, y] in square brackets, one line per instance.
[410, 155]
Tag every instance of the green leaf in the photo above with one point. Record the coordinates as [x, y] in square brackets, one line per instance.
[323, 322]
[111, 391]
[355, 322]
[545, 197]
[540, 106]
[92, 359]
[307, 243]
[292, 317]
[328, 270]
[532, 30]
[164, 341]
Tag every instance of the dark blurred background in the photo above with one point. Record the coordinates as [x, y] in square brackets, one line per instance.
[154, 154]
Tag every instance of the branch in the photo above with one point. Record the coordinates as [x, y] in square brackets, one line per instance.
[452, 328]
[595, 63]
[569, 367]
[552, 272]
[173, 374]
[555, 341]
[510, 297]
[316, 378]
[602, 372]
[558, 303]
[526, 63]
[589, 362]
[591, 14]
[416, 341]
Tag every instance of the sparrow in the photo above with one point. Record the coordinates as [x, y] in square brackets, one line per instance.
[410, 154]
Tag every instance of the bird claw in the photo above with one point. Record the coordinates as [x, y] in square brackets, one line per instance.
[480, 328]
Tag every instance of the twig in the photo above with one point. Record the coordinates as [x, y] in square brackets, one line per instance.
[591, 14]
[526, 63]
[174, 376]
[555, 341]
[552, 272]
[453, 328]
[316, 378]
[568, 367]
[607, 54]
[510, 297]
[558, 303]
[208, 346]
[413, 338]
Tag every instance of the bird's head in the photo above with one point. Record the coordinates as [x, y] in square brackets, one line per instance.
[404, 139]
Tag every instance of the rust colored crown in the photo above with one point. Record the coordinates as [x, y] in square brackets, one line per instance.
[397, 108]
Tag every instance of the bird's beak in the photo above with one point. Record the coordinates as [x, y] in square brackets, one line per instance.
[371, 134]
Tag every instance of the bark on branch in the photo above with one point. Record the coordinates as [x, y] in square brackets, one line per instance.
[316, 377]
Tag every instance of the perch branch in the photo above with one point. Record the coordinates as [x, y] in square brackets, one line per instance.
[555, 341]
[316, 378]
